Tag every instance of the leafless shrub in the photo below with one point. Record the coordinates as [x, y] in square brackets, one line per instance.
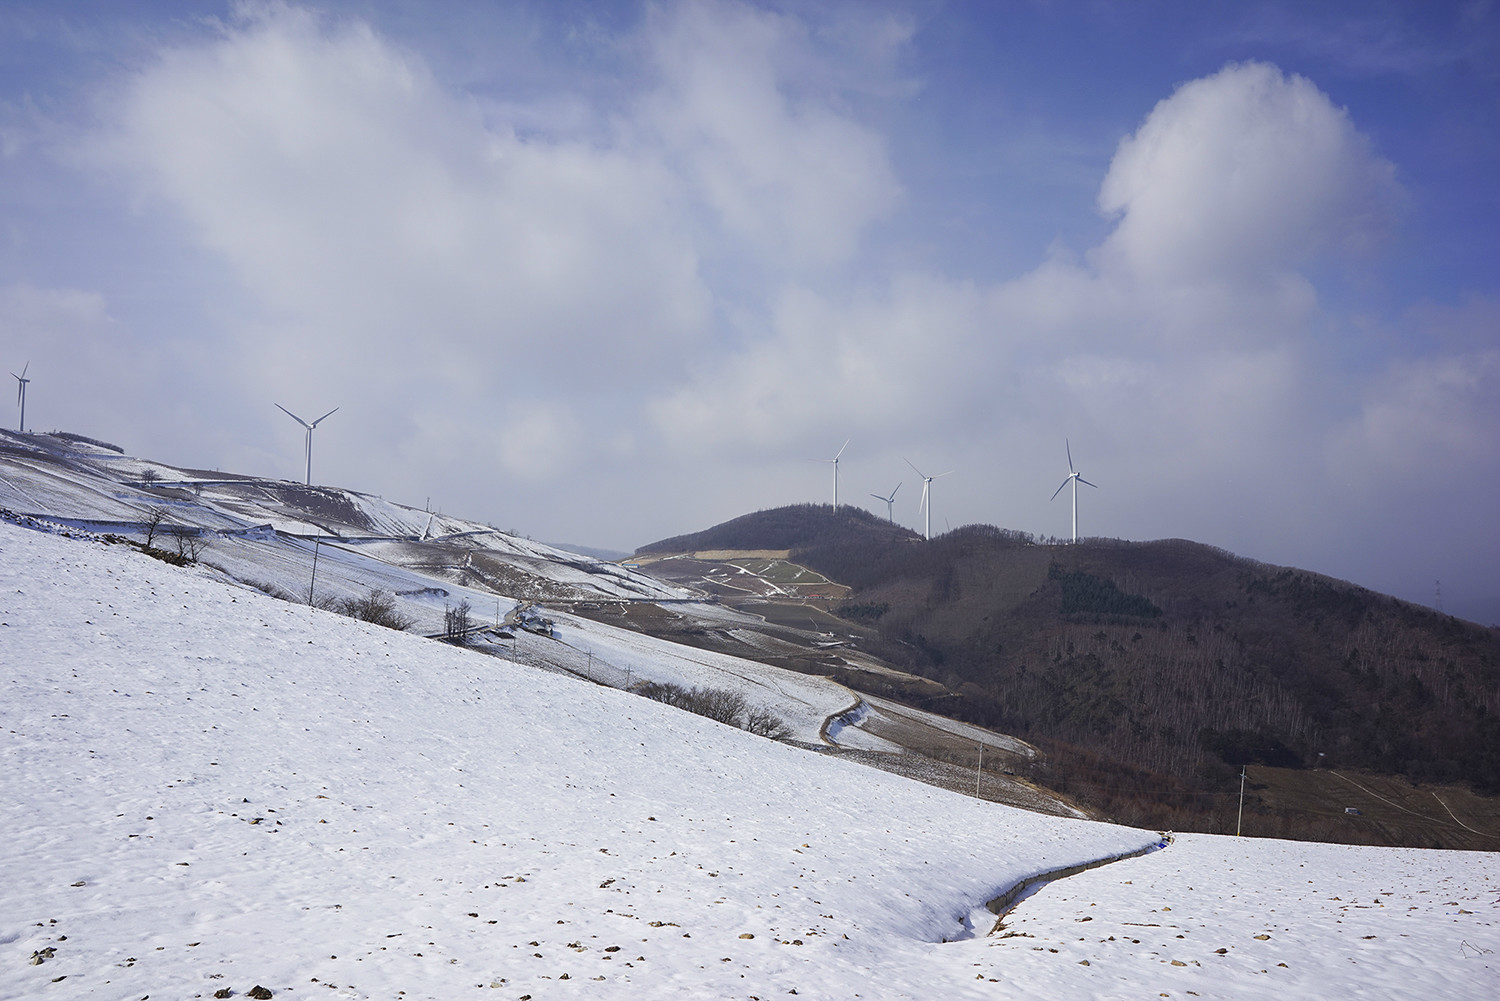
[718, 704]
[663, 691]
[378, 607]
[149, 476]
[274, 591]
[764, 723]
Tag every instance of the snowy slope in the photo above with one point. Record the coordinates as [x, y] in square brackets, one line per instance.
[51, 477]
[204, 788]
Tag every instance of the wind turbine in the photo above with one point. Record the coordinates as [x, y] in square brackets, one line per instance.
[1075, 478]
[889, 503]
[835, 461]
[21, 382]
[926, 495]
[309, 427]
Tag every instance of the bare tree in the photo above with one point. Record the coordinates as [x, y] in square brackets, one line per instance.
[456, 622]
[189, 542]
[153, 523]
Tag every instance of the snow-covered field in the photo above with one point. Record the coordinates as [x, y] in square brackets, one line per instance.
[207, 789]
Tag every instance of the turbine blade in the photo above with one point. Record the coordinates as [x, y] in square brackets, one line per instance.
[320, 420]
[948, 473]
[841, 450]
[1069, 446]
[1094, 485]
[914, 466]
[922, 505]
[1059, 489]
[893, 492]
[294, 416]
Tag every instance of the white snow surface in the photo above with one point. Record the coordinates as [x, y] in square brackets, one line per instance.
[207, 788]
[52, 478]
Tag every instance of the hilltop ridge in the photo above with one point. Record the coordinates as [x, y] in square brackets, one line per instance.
[798, 526]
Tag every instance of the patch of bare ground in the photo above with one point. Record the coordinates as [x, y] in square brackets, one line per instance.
[1315, 803]
[799, 615]
[945, 740]
[995, 786]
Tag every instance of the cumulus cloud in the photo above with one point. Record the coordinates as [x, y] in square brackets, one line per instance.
[369, 207]
[1245, 174]
[1227, 190]
[395, 234]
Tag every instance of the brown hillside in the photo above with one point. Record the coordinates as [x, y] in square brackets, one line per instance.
[1169, 658]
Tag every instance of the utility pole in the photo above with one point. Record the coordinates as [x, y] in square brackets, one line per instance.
[314, 578]
[1241, 820]
[978, 772]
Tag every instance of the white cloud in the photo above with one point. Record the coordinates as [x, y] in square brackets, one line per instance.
[1242, 175]
[397, 237]
[786, 172]
[368, 206]
[1228, 189]
[879, 359]
[1423, 421]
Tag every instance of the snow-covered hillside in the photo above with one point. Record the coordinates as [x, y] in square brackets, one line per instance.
[330, 545]
[206, 789]
[263, 530]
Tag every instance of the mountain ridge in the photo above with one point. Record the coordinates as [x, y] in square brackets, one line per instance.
[1174, 657]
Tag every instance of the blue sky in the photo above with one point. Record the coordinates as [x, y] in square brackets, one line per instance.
[608, 272]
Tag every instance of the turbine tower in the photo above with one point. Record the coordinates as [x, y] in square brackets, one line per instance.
[1075, 478]
[889, 503]
[926, 495]
[21, 382]
[835, 461]
[309, 427]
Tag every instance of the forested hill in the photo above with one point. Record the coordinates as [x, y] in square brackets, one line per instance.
[1170, 656]
[799, 526]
